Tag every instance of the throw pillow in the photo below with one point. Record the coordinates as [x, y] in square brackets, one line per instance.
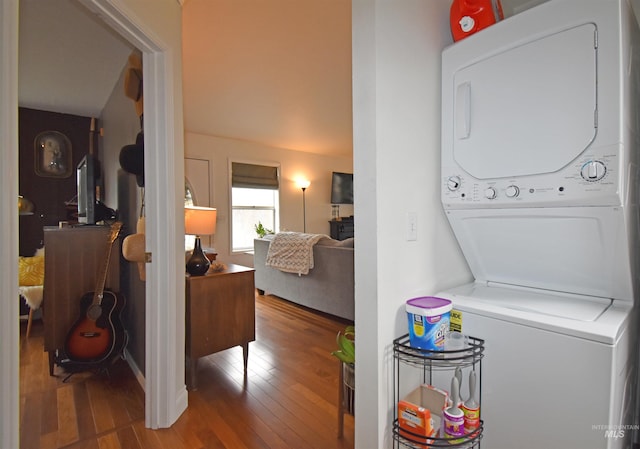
[31, 271]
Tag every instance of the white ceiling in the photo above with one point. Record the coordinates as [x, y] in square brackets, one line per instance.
[68, 60]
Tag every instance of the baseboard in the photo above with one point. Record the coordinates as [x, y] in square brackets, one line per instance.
[136, 371]
[182, 399]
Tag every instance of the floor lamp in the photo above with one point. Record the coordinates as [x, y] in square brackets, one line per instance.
[303, 184]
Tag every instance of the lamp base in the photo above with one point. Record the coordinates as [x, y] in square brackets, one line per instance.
[198, 264]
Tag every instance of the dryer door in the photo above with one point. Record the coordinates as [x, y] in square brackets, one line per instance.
[531, 109]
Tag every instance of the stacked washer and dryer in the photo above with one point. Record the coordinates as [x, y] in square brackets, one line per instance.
[540, 183]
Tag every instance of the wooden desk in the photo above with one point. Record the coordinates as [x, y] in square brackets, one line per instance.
[220, 314]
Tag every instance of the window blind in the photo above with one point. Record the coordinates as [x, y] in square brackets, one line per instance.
[254, 176]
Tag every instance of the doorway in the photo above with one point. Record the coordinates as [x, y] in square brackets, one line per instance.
[157, 34]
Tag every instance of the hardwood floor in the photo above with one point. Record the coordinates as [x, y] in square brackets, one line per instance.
[287, 400]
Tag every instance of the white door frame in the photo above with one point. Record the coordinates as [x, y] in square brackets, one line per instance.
[165, 391]
[9, 327]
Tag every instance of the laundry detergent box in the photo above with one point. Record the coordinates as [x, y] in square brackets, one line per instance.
[429, 319]
[420, 413]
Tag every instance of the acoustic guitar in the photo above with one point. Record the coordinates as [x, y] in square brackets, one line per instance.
[98, 334]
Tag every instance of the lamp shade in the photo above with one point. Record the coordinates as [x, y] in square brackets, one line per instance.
[303, 183]
[199, 220]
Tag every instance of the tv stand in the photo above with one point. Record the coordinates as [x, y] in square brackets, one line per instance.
[341, 229]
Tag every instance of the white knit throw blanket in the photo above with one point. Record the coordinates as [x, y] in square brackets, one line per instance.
[292, 252]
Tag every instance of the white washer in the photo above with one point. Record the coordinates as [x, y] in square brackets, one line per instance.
[540, 186]
[556, 371]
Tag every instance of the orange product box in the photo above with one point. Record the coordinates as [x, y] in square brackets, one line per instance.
[420, 413]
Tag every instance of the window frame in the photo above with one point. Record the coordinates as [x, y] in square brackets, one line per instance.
[276, 207]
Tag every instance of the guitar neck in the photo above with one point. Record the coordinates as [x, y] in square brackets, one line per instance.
[102, 276]
[102, 279]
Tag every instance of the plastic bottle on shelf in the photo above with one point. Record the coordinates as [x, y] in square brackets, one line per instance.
[471, 407]
[470, 16]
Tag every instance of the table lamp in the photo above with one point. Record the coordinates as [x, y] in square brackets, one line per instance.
[199, 221]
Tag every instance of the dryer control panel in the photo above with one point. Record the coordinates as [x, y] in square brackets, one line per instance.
[590, 180]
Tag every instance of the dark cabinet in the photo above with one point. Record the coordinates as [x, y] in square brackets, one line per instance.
[341, 229]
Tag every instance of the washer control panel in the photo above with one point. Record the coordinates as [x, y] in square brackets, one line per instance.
[592, 179]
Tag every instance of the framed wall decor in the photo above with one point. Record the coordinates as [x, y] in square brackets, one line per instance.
[53, 155]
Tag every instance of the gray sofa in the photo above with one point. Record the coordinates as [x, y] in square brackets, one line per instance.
[327, 288]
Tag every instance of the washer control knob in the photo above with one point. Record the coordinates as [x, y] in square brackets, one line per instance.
[453, 183]
[512, 191]
[593, 171]
[490, 193]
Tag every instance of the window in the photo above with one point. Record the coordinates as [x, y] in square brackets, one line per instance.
[254, 199]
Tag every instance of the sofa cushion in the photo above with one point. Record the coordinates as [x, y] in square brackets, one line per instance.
[347, 243]
[327, 241]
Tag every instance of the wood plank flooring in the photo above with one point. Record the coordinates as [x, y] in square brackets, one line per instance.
[288, 398]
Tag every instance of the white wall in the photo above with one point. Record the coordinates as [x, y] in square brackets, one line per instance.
[317, 169]
[120, 125]
[396, 67]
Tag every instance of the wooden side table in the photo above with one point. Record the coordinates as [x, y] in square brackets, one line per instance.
[220, 314]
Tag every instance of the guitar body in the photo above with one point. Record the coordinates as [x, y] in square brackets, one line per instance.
[98, 334]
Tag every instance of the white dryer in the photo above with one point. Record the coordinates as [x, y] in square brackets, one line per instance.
[540, 186]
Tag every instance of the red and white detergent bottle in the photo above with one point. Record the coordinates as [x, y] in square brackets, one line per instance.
[470, 16]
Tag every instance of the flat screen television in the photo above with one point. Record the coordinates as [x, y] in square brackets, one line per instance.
[86, 177]
[342, 188]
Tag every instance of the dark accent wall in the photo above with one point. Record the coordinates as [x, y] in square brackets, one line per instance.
[47, 193]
